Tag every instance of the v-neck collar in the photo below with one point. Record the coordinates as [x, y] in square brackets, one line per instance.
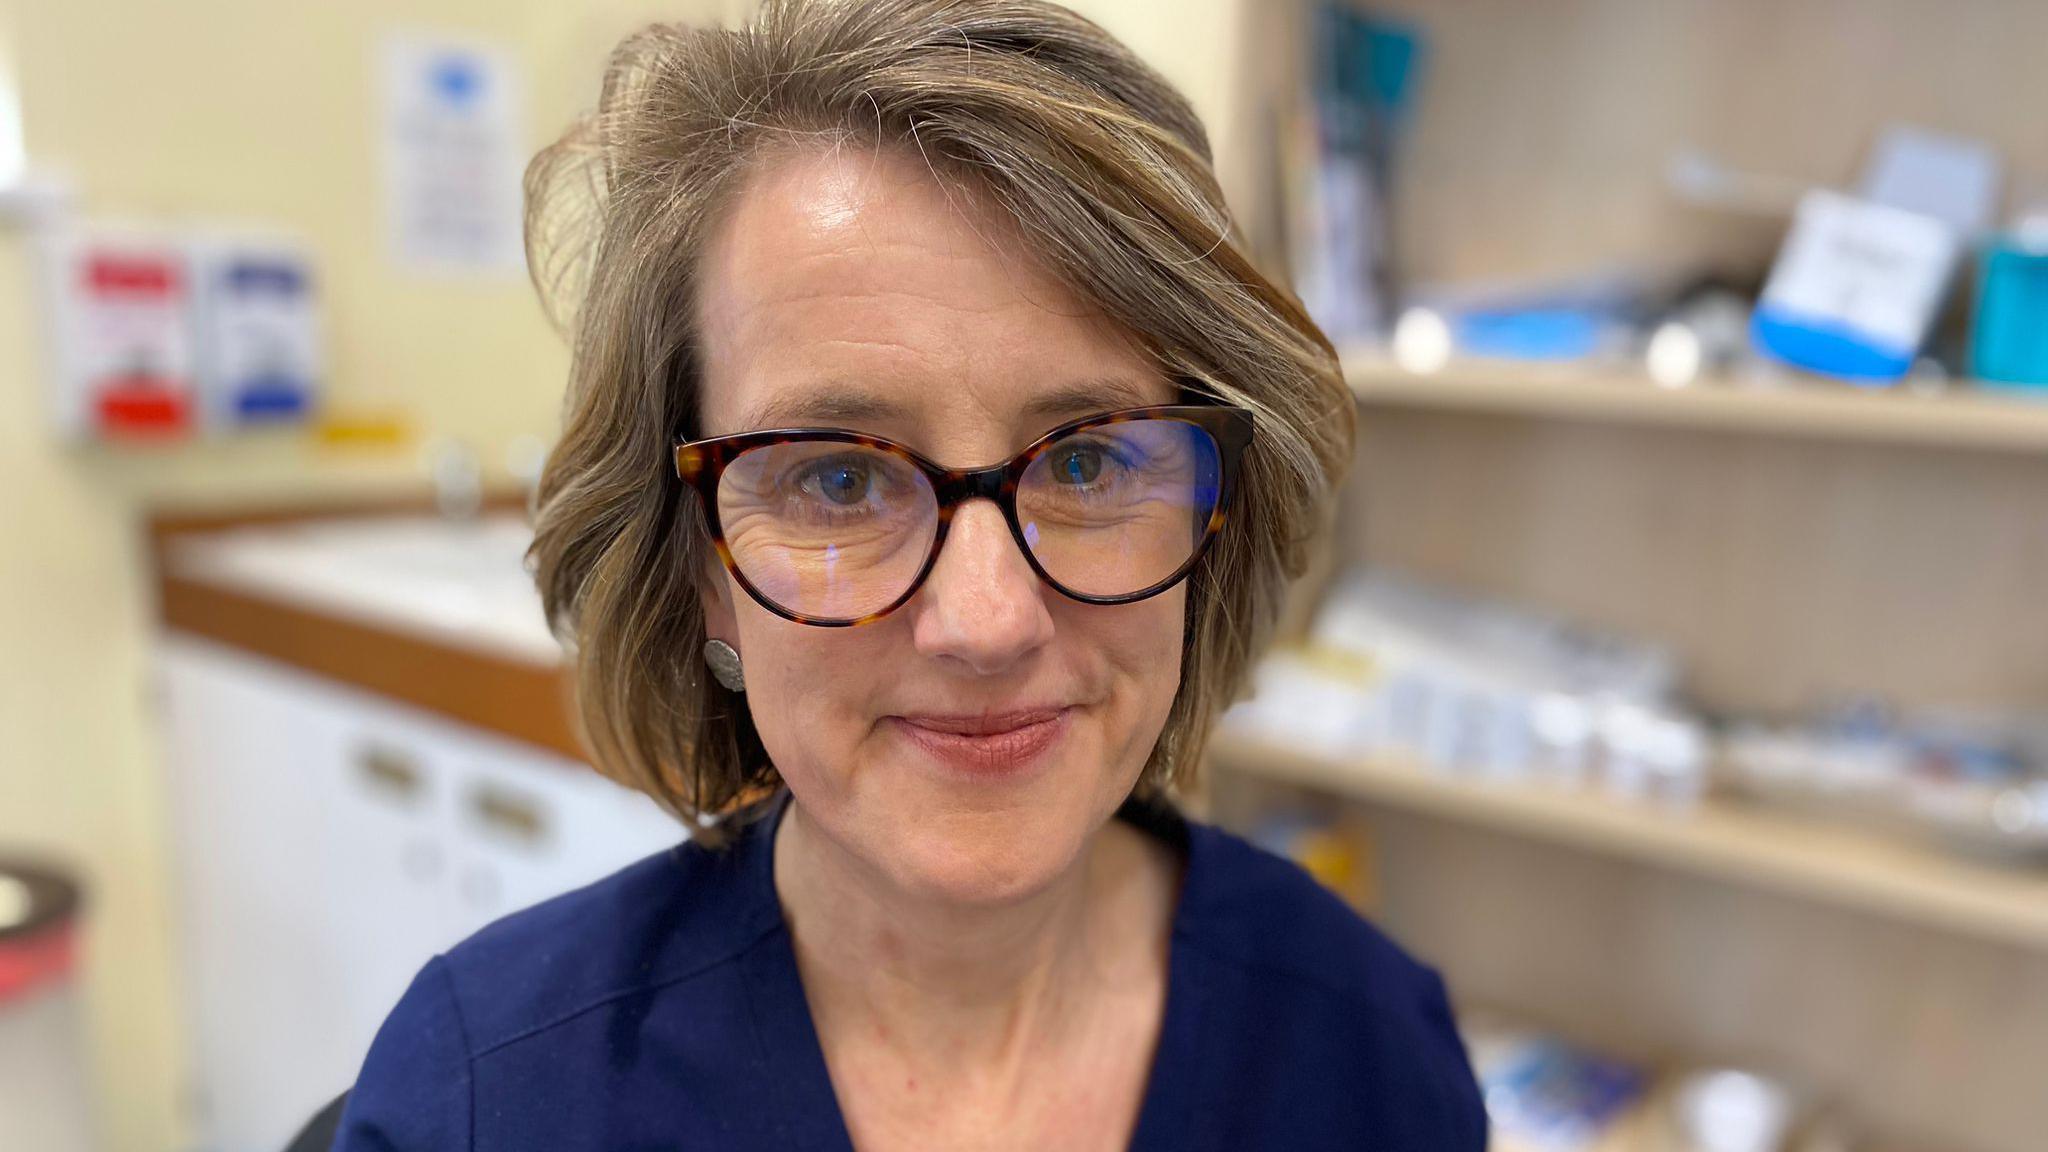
[807, 1115]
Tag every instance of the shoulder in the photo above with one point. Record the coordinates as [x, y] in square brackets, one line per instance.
[1304, 982]
[1260, 911]
[655, 923]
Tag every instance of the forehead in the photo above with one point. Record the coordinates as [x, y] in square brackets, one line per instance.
[850, 287]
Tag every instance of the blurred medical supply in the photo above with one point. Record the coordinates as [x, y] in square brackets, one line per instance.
[1975, 783]
[1741, 1110]
[1338, 167]
[1679, 330]
[2009, 336]
[1858, 292]
[1397, 669]
[1582, 317]
[1703, 335]
[1399, 672]
[1544, 1094]
[1862, 277]
[1547, 1093]
[1856, 288]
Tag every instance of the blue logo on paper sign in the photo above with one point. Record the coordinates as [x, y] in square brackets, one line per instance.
[272, 397]
[456, 80]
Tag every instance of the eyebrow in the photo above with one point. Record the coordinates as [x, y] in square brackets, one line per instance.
[842, 403]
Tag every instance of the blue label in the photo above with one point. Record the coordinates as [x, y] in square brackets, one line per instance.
[1827, 348]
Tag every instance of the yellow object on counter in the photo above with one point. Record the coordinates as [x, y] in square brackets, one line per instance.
[369, 429]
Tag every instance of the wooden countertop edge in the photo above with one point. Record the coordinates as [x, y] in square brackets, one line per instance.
[519, 701]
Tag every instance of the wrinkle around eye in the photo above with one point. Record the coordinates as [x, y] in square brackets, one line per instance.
[849, 528]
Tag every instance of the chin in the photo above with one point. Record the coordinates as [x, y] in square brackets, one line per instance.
[984, 859]
[955, 836]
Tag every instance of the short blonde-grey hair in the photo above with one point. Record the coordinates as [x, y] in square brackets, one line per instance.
[1105, 170]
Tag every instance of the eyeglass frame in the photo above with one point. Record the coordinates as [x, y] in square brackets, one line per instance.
[700, 465]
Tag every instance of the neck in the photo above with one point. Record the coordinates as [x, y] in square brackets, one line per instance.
[957, 985]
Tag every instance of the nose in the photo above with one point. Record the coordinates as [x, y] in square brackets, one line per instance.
[982, 605]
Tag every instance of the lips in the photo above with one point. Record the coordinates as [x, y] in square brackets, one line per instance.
[985, 724]
[994, 743]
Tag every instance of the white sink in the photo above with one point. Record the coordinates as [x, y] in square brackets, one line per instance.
[462, 582]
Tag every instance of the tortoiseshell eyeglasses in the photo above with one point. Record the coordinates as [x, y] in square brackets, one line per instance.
[836, 528]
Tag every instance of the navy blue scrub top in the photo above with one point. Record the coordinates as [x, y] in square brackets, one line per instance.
[661, 1009]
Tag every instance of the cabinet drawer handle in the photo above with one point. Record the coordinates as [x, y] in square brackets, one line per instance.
[509, 814]
[389, 771]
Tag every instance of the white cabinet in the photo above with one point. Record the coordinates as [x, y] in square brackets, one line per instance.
[328, 842]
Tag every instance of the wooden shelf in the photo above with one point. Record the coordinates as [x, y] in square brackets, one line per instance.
[1866, 871]
[1957, 419]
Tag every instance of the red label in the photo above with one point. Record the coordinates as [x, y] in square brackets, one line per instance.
[143, 406]
[131, 276]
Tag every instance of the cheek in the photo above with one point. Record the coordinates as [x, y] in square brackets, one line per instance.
[1142, 646]
[809, 689]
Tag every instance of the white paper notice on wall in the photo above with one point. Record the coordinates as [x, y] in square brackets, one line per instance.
[120, 309]
[454, 151]
[259, 329]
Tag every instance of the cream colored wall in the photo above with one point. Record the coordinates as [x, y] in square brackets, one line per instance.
[74, 780]
[218, 110]
[227, 110]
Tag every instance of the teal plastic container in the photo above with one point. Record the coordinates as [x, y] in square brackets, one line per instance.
[2009, 334]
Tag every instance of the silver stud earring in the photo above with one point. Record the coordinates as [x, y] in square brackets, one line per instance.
[725, 664]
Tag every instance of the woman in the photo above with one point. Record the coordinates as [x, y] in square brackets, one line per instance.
[935, 462]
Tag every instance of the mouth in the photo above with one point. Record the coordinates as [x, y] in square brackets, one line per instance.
[988, 743]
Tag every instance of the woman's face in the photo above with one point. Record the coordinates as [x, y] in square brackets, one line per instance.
[847, 288]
